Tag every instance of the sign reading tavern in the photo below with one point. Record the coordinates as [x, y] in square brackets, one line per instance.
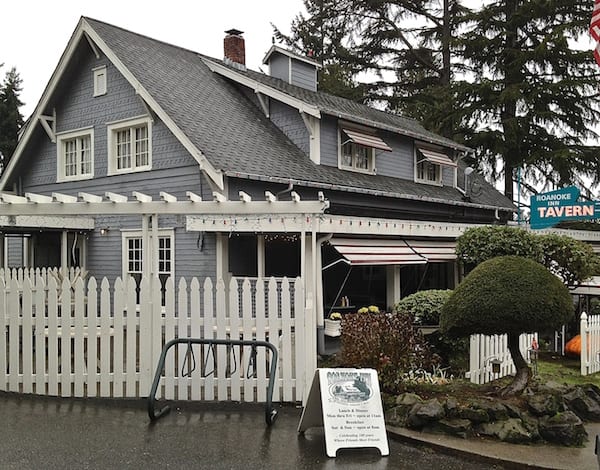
[548, 209]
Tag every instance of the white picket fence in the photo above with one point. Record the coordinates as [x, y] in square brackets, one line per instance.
[484, 349]
[78, 339]
[590, 343]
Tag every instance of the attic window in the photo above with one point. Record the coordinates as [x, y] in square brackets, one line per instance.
[357, 150]
[428, 166]
[75, 159]
[99, 80]
[130, 146]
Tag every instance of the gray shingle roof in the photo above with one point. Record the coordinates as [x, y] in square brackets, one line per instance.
[238, 139]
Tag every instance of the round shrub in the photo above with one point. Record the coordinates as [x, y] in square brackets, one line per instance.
[425, 306]
[507, 294]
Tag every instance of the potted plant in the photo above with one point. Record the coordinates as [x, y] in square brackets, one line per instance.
[333, 324]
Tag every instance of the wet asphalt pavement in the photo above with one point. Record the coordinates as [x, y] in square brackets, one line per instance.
[52, 433]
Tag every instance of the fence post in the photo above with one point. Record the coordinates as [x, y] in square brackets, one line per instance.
[583, 329]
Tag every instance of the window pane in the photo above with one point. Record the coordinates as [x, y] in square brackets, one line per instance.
[141, 146]
[86, 155]
[243, 255]
[362, 157]
[70, 154]
[123, 149]
[347, 155]
[282, 255]
[134, 255]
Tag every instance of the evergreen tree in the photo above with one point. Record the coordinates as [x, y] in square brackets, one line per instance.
[11, 119]
[533, 97]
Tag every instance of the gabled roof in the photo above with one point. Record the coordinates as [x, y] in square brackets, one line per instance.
[228, 134]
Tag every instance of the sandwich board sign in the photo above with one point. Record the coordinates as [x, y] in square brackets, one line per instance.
[347, 403]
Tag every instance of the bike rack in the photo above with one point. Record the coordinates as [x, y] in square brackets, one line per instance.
[270, 412]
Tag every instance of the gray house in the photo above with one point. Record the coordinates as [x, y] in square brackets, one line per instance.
[127, 119]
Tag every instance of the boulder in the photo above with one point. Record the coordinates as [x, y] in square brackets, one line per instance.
[397, 416]
[408, 399]
[544, 404]
[456, 427]
[509, 430]
[474, 414]
[584, 403]
[563, 428]
[422, 414]
[451, 407]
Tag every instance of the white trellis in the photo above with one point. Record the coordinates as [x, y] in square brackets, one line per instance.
[590, 343]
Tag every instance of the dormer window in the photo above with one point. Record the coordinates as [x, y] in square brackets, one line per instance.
[429, 164]
[357, 150]
[100, 80]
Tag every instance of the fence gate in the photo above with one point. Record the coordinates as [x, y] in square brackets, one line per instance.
[66, 336]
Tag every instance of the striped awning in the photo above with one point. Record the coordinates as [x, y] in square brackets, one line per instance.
[436, 157]
[368, 140]
[400, 251]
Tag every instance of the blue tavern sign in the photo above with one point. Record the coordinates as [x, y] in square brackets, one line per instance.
[548, 209]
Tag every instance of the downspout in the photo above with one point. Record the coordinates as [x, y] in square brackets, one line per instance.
[319, 304]
[285, 191]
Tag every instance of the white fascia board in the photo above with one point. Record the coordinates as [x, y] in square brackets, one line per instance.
[258, 87]
[39, 109]
[84, 28]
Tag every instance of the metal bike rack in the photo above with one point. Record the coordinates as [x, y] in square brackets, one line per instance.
[270, 412]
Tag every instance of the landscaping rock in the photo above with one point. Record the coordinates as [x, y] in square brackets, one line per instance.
[422, 414]
[397, 416]
[544, 404]
[451, 407]
[584, 403]
[456, 427]
[563, 428]
[408, 399]
[495, 409]
[510, 430]
[474, 414]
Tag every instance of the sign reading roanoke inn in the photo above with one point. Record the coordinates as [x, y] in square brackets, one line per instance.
[548, 209]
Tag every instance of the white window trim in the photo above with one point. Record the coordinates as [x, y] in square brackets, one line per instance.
[60, 156]
[440, 179]
[96, 72]
[372, 170]
[162, 233]
[111, 129]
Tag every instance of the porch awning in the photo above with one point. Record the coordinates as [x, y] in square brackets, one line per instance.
[401, 251]
[368, 140]
[436, 157]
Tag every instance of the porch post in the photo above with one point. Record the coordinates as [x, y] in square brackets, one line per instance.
[154, 246]
[2, 251]
[393, 290]
[64, 251]
[146, 257]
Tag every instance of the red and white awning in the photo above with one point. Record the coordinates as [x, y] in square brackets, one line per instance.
[368, 140]
[437, 158]
[401, 251]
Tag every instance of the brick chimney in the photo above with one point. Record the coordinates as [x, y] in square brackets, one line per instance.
[234, 46]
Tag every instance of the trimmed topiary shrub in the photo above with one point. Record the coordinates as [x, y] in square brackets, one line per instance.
[425, 306]
[386, 342]
[511, 295]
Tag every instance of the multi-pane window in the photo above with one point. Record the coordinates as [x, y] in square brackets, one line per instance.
[357, 157]
[428, 172]
[134, 259]
[75, 155]
[130, 146]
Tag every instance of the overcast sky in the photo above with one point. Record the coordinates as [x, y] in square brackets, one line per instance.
[33, 34]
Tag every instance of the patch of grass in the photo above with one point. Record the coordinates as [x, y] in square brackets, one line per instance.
[553, 367]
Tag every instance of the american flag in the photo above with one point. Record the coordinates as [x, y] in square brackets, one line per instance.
[595, 29]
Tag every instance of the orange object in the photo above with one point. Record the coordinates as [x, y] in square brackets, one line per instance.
[573, 347]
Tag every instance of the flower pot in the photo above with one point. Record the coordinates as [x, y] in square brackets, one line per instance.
[333, 327]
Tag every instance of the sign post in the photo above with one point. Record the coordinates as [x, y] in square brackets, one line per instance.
[347, 403]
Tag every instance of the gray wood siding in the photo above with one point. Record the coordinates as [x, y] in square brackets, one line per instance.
[291, 124]
[279, 67]
[14, 251]
[173, 170]
[303, 75]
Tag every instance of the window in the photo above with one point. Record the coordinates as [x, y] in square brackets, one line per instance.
[75, 157]
[130, 146]
[357, 149]
[99, 80]
[357, 157]
[133, 259]
[429, 164]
